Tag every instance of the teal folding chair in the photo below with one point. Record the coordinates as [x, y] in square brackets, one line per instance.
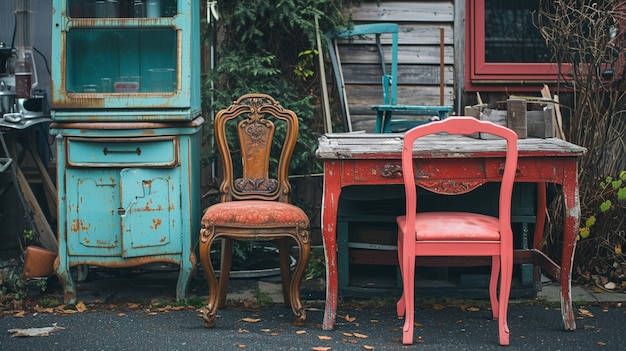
[385, 122]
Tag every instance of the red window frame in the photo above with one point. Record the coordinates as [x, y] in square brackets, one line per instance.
[500, 74]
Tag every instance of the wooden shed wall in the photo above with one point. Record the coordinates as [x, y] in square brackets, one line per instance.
[419, 56]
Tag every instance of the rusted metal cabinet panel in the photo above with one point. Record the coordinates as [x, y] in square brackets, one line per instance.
[123, 213]
[126, 199]
[150, 211]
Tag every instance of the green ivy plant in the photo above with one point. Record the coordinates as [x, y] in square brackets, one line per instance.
[611, 204]
[270, 47]
[612, 190]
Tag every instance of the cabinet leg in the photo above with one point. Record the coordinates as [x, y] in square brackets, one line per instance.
[187, 269]
[62, 271]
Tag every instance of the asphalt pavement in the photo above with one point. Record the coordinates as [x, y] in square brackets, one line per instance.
[130, 312]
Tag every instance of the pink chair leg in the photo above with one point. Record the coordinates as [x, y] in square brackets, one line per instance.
[505, 290]
[401, 305]
[408, 281]
[493, 286]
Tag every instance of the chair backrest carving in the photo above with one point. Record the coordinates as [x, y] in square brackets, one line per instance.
[262, 134]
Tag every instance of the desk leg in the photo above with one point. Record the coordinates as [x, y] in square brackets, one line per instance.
[570, 230]
[330, 204]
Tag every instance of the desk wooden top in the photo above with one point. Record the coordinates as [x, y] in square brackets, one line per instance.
[389, 146]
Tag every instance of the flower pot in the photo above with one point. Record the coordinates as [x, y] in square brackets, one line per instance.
[38, 262]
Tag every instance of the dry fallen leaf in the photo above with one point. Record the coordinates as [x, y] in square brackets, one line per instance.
[360, 336]
[251, 320]
[585, 313]
[19, 314]
[347, 334]
[350, 319]
[473, 309]
[321, 348]
[368, 347]
[438, 307]
[43, 310]
[324, 337]
[133, 305]
[300, 332]
[80, 307]
[121, 314]
[241, 346]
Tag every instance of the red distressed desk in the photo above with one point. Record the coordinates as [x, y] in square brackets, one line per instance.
[374, 159]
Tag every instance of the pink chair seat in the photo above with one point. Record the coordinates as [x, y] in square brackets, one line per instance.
[255, 214]
[452, 226]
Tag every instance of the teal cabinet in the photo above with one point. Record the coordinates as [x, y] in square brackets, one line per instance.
[118, 64]
[126, 199]
[125, 102]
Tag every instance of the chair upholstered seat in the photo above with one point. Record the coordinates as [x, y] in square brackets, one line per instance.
[255, 213]
[454, 226]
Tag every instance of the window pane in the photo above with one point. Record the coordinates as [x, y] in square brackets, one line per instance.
[510, 35]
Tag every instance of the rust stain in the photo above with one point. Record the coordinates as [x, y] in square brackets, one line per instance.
[75, 226]
[86, 240]
[163, 239]
[78, 225]
[156, 223]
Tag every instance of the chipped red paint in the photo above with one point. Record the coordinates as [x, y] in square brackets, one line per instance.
[365, 159]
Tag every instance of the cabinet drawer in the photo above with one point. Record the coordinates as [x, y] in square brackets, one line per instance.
[123, 152]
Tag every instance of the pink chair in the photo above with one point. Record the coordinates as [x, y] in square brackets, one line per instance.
[457, 233]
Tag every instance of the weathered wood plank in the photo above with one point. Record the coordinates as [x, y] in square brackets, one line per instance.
[399, 11]
[407, 74]
[411, 34]
[363, 96]
[407, 54]
[385, 145]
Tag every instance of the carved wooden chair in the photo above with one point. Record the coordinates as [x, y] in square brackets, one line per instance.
[456, 233]
[255, 196]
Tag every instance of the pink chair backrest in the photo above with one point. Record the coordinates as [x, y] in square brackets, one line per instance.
[460, 125]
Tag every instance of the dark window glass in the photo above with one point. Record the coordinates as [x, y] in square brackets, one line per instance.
[510, 34]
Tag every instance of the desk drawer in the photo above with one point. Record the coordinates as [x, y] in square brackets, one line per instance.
[122, 152]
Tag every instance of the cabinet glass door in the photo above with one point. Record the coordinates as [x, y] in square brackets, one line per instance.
[122, 60]
[130, 61]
